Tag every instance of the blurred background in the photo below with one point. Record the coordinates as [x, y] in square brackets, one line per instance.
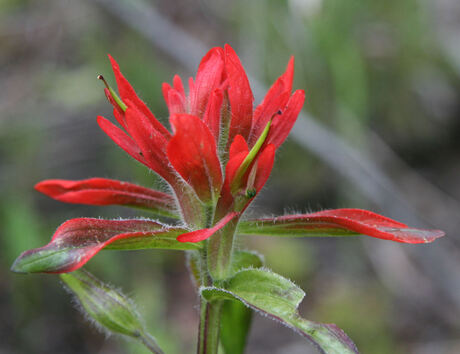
[380, 130]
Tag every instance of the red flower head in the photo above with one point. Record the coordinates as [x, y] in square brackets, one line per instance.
[216, 159]
[215, 129]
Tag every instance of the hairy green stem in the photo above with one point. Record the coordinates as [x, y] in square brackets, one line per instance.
[150, 343]
[209, 327]
[220, 250]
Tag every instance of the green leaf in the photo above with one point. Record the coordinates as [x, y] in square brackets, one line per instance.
[278, 298]
[109, 308]
[246, 259]
[235, 324]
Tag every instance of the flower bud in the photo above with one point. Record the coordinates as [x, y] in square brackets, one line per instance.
[106, 306]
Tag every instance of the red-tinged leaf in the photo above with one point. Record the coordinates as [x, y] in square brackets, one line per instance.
[127, 93]
[264, 166]
[338, 222]
[239, 94]
[211, 116]
[203, 234]
[282, 124]
[76, 241]
[208, 78]
[274, 101]
[150, 141]
[103, 191]
[192, 152]
[121, 139]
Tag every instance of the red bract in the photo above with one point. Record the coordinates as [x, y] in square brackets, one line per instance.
[216, 160]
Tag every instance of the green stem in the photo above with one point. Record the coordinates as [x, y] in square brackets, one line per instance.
[150, 343]
[210, 312]
[220, 250]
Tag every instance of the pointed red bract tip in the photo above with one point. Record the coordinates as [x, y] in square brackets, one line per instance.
[203, 234]
[239, 94]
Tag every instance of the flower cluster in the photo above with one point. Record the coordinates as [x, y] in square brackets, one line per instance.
[216, 159]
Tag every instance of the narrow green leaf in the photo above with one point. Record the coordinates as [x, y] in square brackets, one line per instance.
[278, 298]
[107, 307]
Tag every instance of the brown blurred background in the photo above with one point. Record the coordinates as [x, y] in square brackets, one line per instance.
[380, 130]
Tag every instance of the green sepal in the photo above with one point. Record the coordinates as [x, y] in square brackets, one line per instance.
[107, 307]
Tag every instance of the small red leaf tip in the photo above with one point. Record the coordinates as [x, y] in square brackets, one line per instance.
[203, 234]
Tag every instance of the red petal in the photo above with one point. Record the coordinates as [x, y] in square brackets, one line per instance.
[178, 85]
[264, 166]
[340, 222]
[282, 124]
[177, 102]
[275, 100]
[240, 95]
[151, 142]
[226, 198]
[192, 152]
[174, 100]
[121, 139]
[203, 234]
[208, 78]
[103, 191]
[127, 93]
[212, 114]
[76, 241]
[238, 145]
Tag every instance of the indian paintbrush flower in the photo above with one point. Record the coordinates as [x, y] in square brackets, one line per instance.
[216, 159]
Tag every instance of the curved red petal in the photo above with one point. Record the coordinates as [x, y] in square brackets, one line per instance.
[239, 94]
[178, 85]
[264, 166]
[151, 142]
[283, 123]
[208, 78]
[192, 152]
[103, 191]
[212, 114]
[275, 100]
[121, 139]
[127, 93]
[203, 234]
